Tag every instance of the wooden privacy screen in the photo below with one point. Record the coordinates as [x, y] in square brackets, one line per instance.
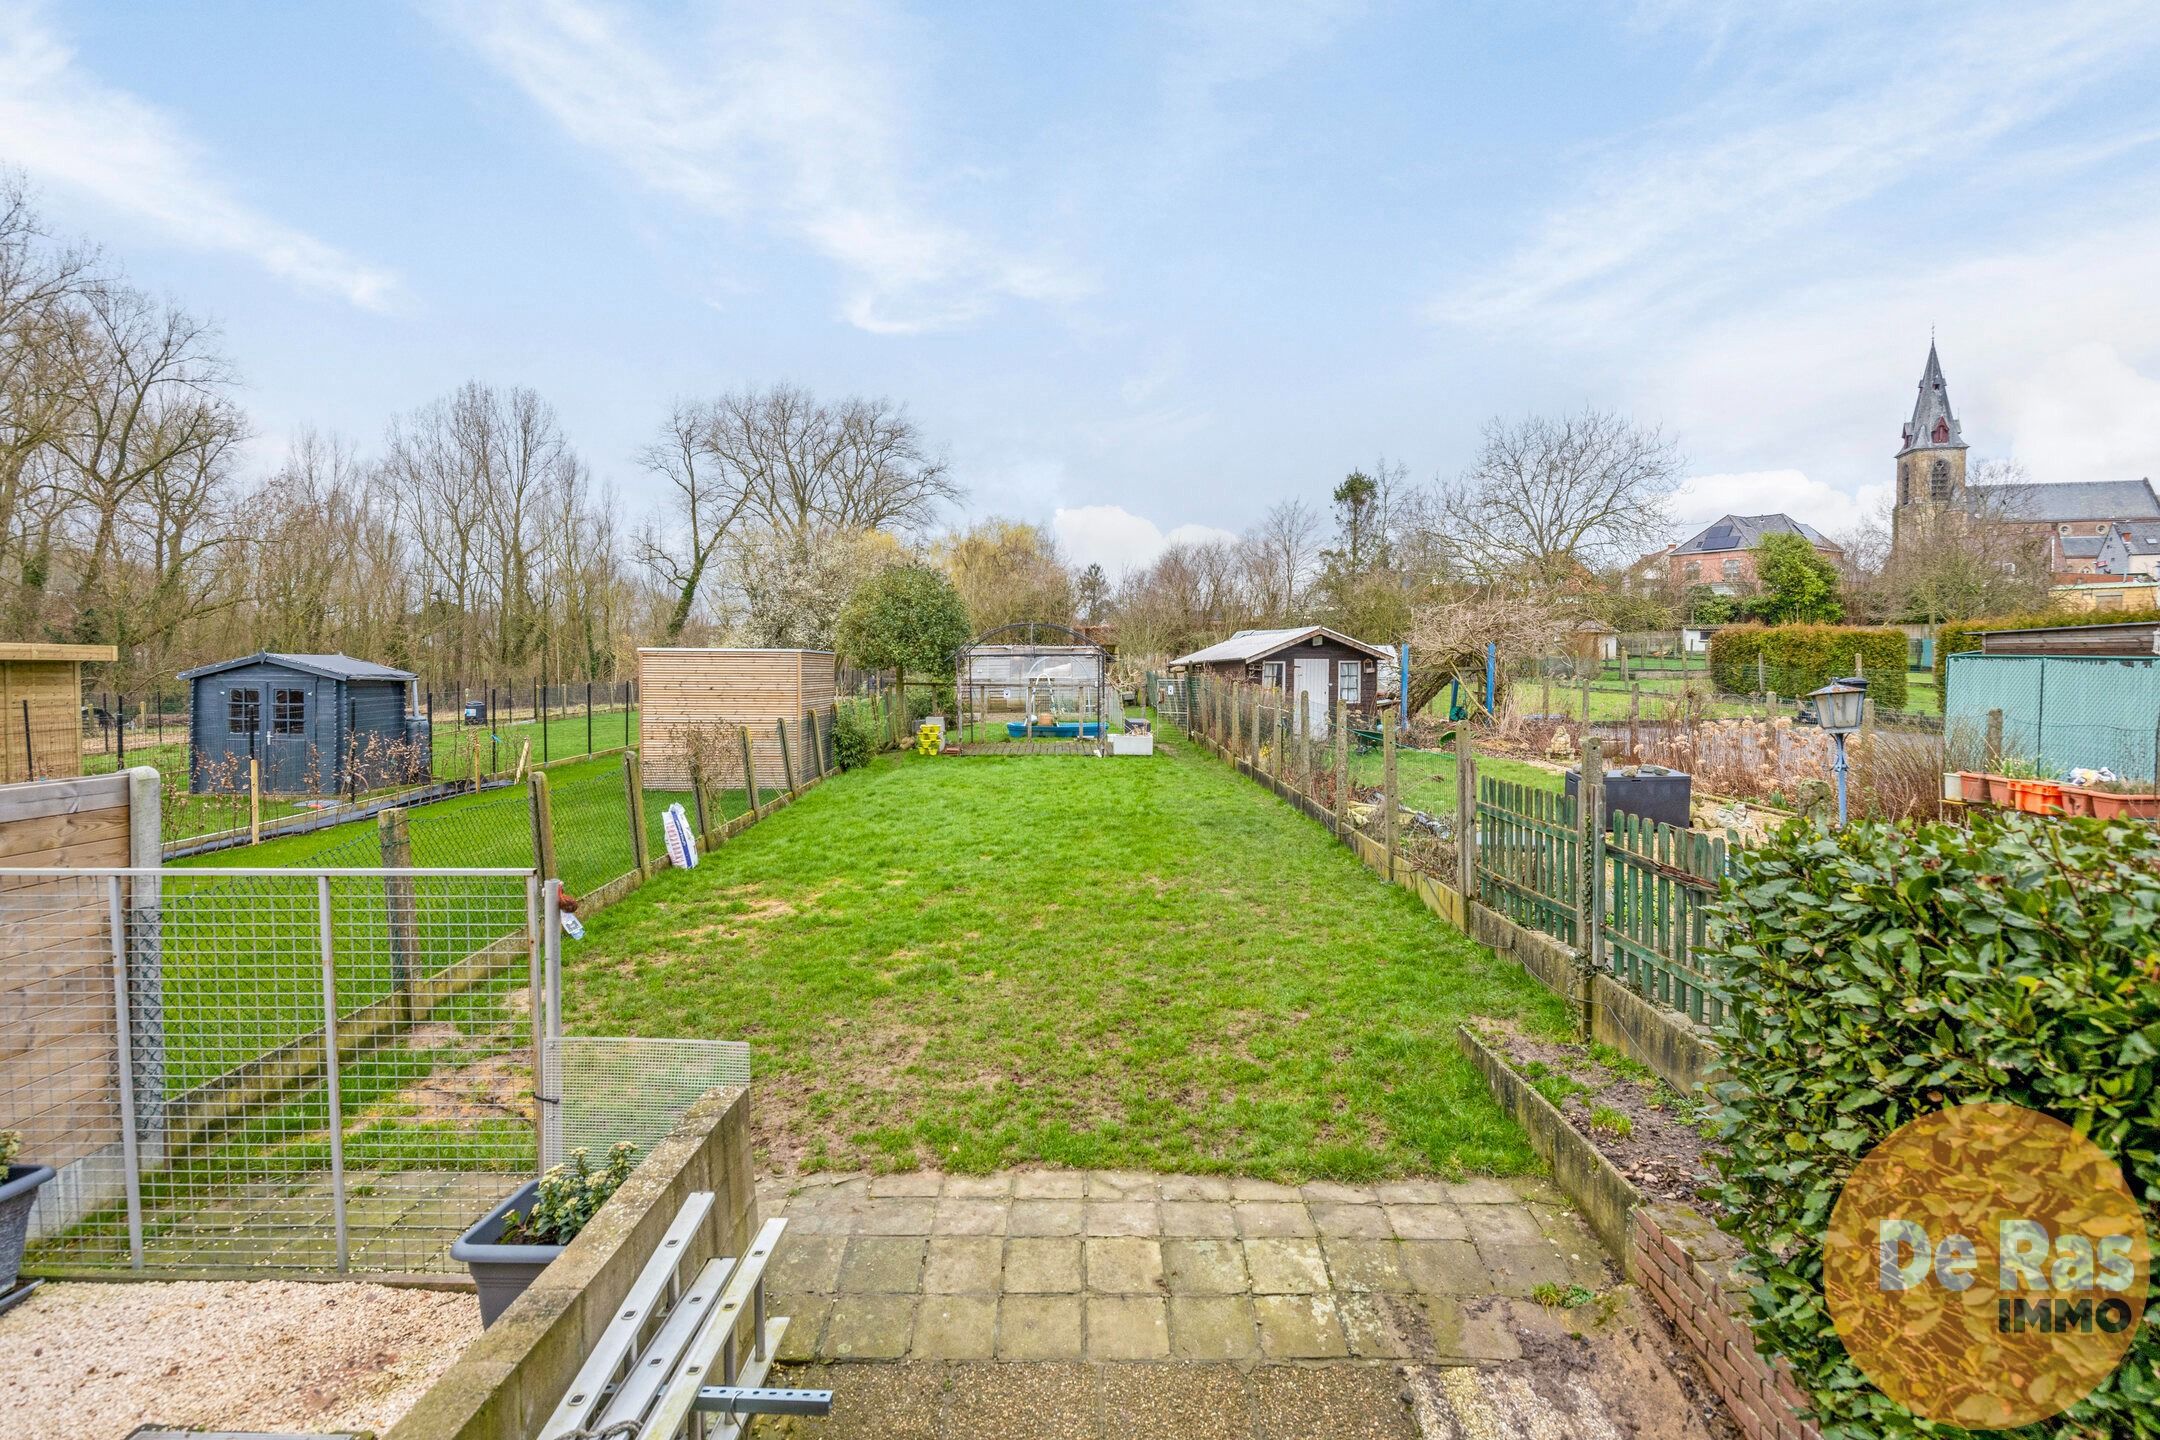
[41, 724]
[682, 688]
[59, 1081]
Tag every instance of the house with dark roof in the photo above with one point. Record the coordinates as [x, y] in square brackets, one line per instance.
[313, 724]
[1722, 554]
[2131, 551]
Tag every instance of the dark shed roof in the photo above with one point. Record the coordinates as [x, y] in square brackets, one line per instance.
[330, 667]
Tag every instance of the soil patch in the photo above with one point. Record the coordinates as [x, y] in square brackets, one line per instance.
[1642, 1125]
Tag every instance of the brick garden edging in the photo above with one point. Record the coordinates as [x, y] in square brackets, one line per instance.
[1685, 1265]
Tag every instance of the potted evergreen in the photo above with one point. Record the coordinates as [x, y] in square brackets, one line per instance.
[514, 1242]
[18, 1193]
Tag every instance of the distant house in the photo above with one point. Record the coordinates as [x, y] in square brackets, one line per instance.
[1593, 641]
[316, 724]
[2131, 551]
[1722, 554]
[1309, 659]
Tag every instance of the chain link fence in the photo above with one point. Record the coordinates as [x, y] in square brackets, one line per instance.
[265, 1071]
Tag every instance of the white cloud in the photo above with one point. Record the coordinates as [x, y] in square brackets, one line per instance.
[2090, 413]
[70, 131]
[1702, 208]
[786, 114]
[1118, 540]
[1703, 498]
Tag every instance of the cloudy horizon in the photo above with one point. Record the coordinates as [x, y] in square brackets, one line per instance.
[1146, 273]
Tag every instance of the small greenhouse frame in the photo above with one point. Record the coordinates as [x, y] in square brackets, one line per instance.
[1033, 682]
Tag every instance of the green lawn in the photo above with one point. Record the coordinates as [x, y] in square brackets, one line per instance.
[1427, 777]
[978, 962]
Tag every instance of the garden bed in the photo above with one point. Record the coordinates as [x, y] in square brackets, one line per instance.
[1646, 1129]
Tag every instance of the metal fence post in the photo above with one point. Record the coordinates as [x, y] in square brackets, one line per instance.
[1466, 816]
[787, 755]
[1387, 771]
[634, 781]
[749, 771]
[332, 1095]
[545, 1069]
[124, 1040]
[401, 906]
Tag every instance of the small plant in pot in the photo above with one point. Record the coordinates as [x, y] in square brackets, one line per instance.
[18, 1193]
[514, 1242]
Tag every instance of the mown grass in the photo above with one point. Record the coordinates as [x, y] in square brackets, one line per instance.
[1427, 777]
[978, 962]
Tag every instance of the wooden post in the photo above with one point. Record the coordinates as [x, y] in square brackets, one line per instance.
[749, 770]
[1590, 877]
[400, 908]
[524, 754]
[1304, 736]
[543, 826]
[1634, 720]
[1235, 709]
[254, 790]
[1256, 698]
[1994, 739]
[819, 735]
[1761, 680]
[787, 755]
[476, 767]
[1586, 699]
[1387, 785]
[1867, 718]
[1342, 768]
[634, 782]
[1544, 704]
[1465, 817]
[697, 794]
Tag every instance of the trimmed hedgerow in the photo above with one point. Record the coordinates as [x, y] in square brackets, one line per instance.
[1961, 635]
[1800, 658]
[1881, 973]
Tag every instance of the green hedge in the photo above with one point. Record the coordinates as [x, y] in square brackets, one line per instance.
[1800, 658]
[1878, 974]
[1965, 634]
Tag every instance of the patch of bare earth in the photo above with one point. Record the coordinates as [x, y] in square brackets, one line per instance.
[1657, 1147]
[92, 1362]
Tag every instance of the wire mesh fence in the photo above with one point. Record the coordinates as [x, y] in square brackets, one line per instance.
[268, 1070]
[2051, 714]
[592, 828]
[600, 1090]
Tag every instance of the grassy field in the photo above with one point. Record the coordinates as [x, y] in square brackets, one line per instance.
[1427, 777]
[979, 962]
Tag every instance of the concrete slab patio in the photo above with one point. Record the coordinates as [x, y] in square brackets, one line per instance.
[1083, 1303]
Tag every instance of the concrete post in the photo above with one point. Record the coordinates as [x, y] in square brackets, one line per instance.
[1590, 878]
[543, 825]
[749, 770]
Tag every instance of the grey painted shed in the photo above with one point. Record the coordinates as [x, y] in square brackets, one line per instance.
[319, 724]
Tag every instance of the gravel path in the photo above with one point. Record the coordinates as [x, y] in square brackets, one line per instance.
[93, 1361]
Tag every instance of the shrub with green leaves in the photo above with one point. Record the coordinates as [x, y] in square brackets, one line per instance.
[857, 732]
[1877, 974]
[1800, 658]
[569, 1196]
[10, 1146]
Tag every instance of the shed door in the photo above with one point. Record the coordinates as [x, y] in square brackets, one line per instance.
[288, 708]
[1312, 679]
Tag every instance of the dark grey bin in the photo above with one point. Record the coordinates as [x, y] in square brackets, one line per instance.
[502, 1271]
[1651, 791]
[18, 1193]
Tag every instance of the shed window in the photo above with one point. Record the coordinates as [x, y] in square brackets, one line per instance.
[243, 710]
[1349, 682]
[1271, 674]
[288, 712]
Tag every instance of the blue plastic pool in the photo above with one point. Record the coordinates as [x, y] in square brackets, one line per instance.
[1018, 729]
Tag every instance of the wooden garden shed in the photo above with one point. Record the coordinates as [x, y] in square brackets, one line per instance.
[41, 708]
[315, 724]
[680, 688]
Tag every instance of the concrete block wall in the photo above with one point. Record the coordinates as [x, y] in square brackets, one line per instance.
[509, 1380]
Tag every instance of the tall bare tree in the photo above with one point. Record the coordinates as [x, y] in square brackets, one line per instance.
[1285, 549]
[1548, 499]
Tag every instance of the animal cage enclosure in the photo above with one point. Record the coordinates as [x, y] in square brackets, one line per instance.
[1031, 682]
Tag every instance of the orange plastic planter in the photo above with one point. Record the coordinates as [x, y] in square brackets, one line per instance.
[2037, 797]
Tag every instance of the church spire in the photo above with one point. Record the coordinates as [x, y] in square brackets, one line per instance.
[1932, 426]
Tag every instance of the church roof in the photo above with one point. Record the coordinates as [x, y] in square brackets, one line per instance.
[1932, 425]
[1745, 532]
[2069, 500]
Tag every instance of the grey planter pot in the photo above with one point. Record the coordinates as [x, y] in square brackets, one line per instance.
[502, 1271]
[18, 1193]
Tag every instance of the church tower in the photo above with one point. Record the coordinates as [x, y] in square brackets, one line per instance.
[1931, 463]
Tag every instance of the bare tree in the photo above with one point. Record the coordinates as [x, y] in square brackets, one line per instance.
[706, 499]
[1448, 637]
[806, 466]
[1286, 548]
[1548, 499]
[1970, 557]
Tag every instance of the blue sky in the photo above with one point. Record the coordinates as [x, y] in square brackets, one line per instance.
[1146, 269]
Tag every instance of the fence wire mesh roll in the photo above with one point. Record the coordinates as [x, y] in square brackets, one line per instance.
[322, 1072]
[599, 1090]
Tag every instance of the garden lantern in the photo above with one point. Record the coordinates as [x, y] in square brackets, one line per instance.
[1840, 706]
